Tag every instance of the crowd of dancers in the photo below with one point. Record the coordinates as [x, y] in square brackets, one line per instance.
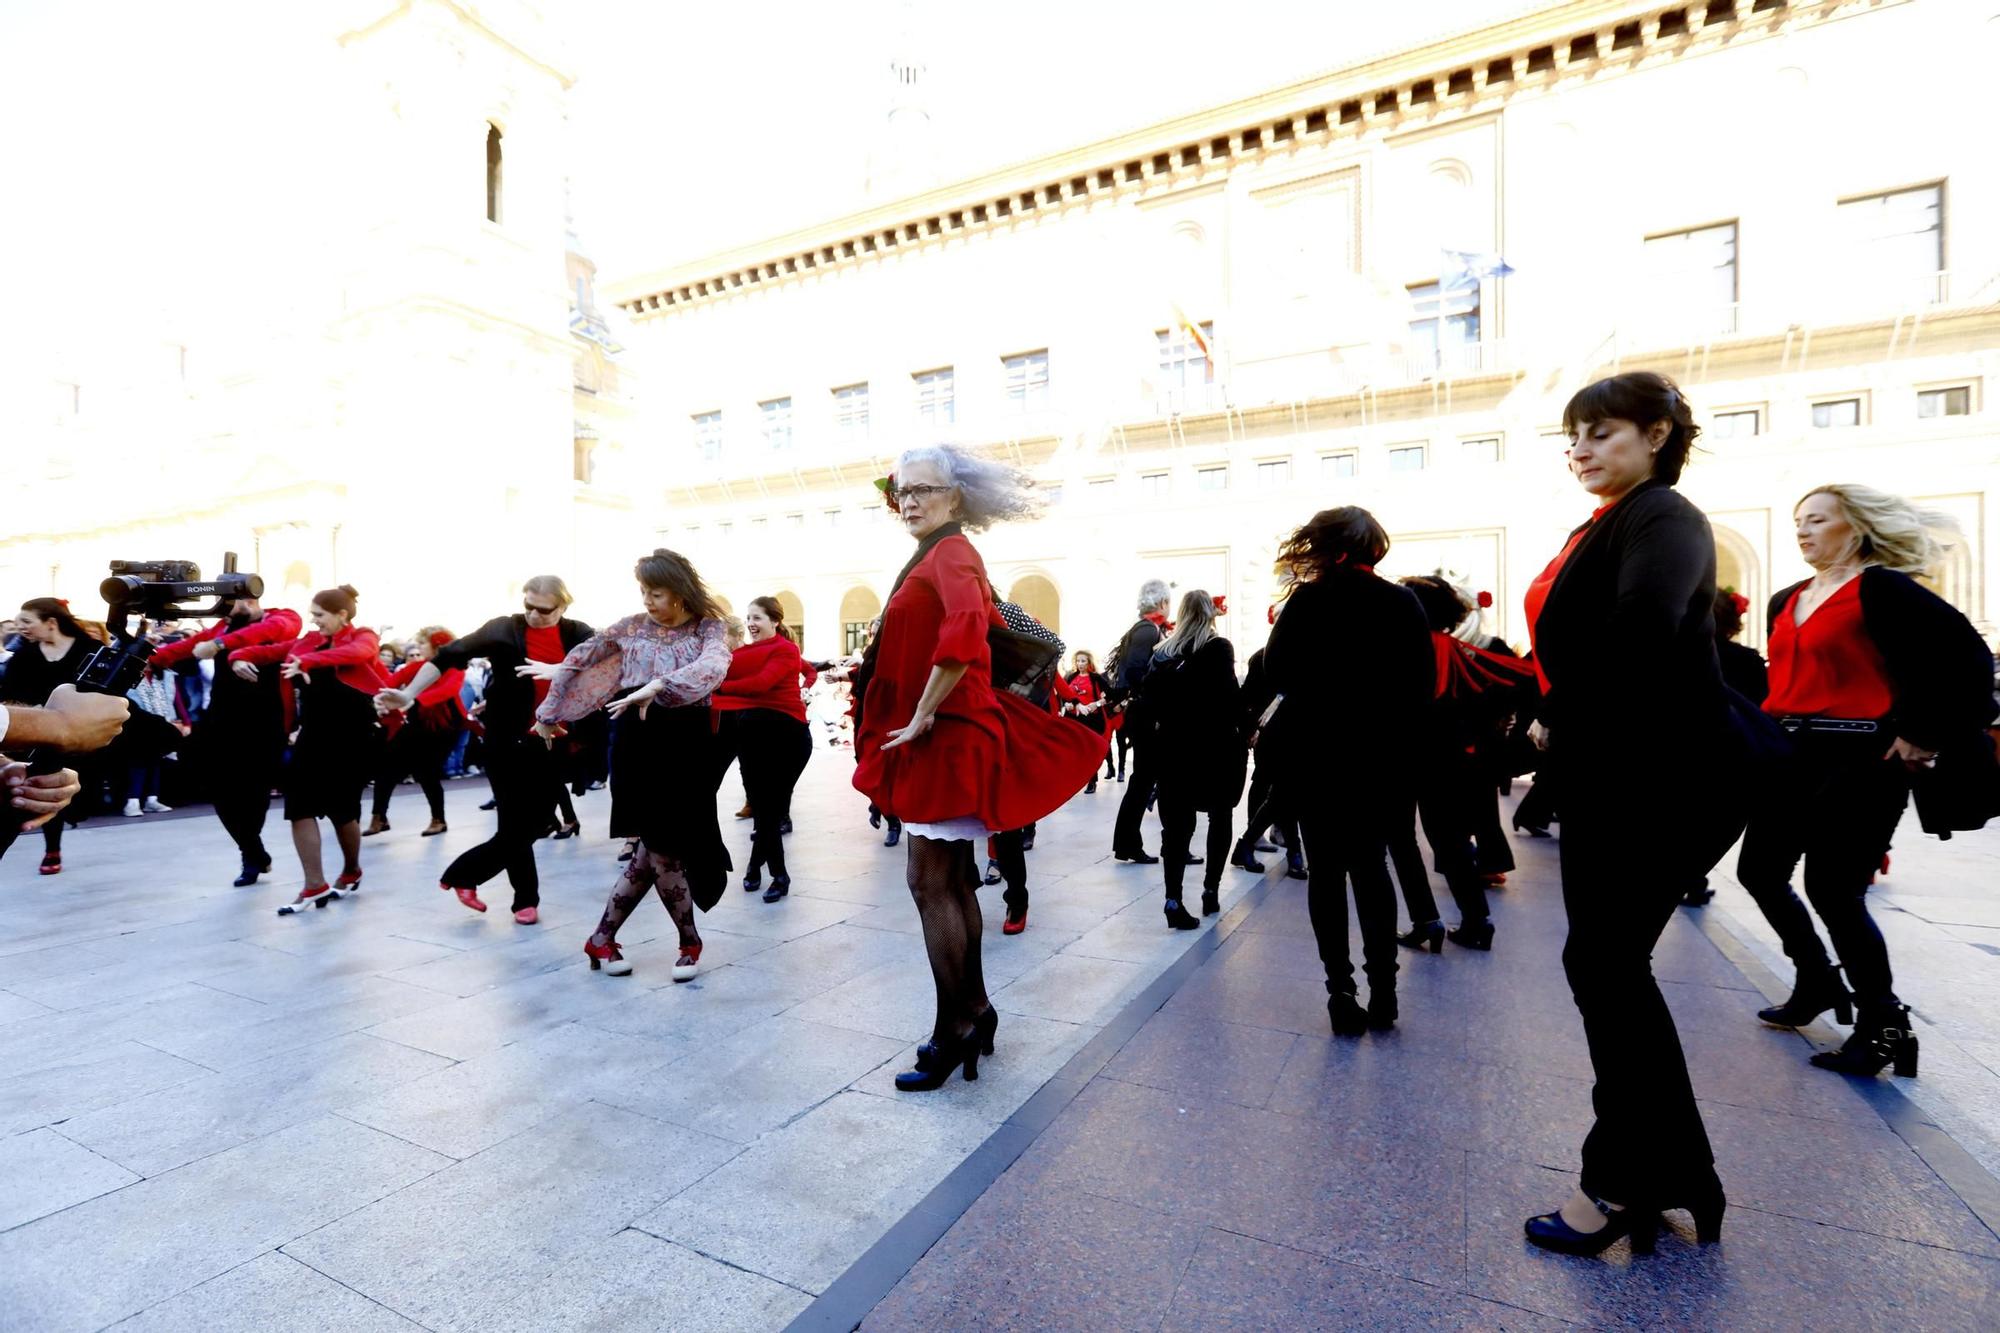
[1377, 707]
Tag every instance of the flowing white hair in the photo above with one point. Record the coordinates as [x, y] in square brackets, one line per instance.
[989, 491]
[1194, 625]
[1888, 530]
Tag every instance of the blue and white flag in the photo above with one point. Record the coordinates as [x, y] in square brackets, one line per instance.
[1469, 268]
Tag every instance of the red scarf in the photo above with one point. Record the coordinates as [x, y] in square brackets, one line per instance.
[1464, 671]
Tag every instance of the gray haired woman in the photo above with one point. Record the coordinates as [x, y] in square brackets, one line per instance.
[1193, 705]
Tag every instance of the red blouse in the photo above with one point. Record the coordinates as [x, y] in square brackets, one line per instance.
[353, 655]
[765, 674]
[989, 754]
[438, 708]
[1537, 595]
[1827, 667]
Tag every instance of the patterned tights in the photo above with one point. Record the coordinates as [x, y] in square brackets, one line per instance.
[648, 870]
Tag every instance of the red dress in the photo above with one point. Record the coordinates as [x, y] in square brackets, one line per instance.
[990, 755]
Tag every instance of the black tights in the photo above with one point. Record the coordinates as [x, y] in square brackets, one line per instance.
[943, 876]
[662, 874]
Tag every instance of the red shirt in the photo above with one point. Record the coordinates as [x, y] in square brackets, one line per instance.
[544, 645]
[1827, 667]
[437, 707]
[765, 674]
[1538, 591]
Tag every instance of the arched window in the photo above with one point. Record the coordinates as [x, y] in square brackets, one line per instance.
[858, 609]
[492, 172]
[1039, 598]
[795, 615]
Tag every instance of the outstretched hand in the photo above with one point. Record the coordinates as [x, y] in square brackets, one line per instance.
[916, 728]
[640, 699]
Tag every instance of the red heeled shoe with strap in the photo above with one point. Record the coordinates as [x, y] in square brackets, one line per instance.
[602, 954]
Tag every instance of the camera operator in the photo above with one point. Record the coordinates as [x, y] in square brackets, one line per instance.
[242, 730]
[71, 723]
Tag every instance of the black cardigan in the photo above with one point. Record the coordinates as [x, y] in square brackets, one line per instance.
[503, 642]
[1627, 635]
[30, 678]
[1195, 708]
[1940, 674]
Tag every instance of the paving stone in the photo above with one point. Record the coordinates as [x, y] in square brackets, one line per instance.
[1027, 1052]
[339, 1007]
[41, 1172]
[68, 1036]
[1072, 989]
[271, 1291]
[636, 1283]
[517, 1011]
[838, 953]
[719, 1001]
[1223, 1060]
[896, 1000]
[804, 1202]
[149, 1241]
[121, 980]
[106, 1076]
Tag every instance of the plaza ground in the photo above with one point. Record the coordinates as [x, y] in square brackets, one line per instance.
[396, 1114]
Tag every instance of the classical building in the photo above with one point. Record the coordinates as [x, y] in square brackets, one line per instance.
[1376, 287]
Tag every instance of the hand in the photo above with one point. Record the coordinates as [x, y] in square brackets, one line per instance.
[393, 701]
[244, 670]
[918, 725]
[835, 674]
[207, 648]
[476, 709]
[640, 699]
[89, 720]
[1253, 738]
[183, 728]
[550, 732]
[1914, 756]
[1538, 735]
[539, 670]
[291, 670]
[42, 795]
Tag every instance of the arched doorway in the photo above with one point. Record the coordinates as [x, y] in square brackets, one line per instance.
[1736, 568]
[1038, 597]
[858, 608]
[795, 614]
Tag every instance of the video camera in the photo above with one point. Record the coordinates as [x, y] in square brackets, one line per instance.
[155, 590]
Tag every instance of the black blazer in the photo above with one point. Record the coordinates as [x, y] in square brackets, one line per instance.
[1351, 653]
[503, 642]
[1627, 637]
[1195, 707]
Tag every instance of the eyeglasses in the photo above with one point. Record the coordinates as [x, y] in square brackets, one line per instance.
[902, 493]
[534, 610]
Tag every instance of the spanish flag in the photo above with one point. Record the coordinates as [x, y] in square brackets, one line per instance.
[1194, 333]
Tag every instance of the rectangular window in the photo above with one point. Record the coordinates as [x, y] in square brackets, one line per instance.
[725, 530]
[1739, 424]
[759, 524]
[833, 518]
[1483, 449]
[1444, 330]
[935, 402]
[1952, 402]
[1153, 485]
[850, 414]
[1691, 278]
[795, 520]
[1211, 478]
[1185, 361]
[1027, 381]
[1274, 473]
[1835, 413]
[1895, 243]
[708, 435]
[1339, 466]
[1406, 458]
[776, 414]
[1102, 484]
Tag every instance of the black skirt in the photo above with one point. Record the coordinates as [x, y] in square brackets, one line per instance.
[338, 751]
[663, 783]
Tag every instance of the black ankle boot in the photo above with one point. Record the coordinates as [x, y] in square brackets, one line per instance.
[1816, 990]
[1472, 935]
[1348, 1017]
[1882, 1038]
[1211, 902]
[1245, 855]
[1381, 1009]
[1178, 917]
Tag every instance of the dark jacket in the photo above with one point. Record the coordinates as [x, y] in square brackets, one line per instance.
[1351, 653]
[1627, 640]
[1195, 707]
[1743, 670]
[1941, 684]
[503, 642]
[1134, 657]
[29, 678]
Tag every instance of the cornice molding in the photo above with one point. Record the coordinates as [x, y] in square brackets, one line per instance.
[1447, 81]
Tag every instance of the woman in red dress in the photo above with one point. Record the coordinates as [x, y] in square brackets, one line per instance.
[939, 748]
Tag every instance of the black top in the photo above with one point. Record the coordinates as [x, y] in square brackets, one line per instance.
[1194, 707]
[29, 678]
[1351, 653]
[1257, 691]
[1940, 673]
[503, 642]
[1627, 635]
[1743, 670]
[1134, 657]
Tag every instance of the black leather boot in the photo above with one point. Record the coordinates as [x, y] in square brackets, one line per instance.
[1816, 990]
[1882, 1038]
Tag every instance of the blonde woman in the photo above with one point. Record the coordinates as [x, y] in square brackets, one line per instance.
[1872, 675]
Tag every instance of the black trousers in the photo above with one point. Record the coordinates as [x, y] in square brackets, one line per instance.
[523, 774]
[1126, 837]
[1346, 842]
[1447, 802]
[1177, 821]
[772, 750]
[1538, 809]
[416, 752]
[1621, 885]
[1835, 805]
[1413, 876]
[1010, 856]
[1270, 808]
[1492, 853]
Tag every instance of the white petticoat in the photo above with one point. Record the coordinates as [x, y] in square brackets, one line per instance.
[964, 828]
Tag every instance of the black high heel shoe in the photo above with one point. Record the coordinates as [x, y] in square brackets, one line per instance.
[936, 1064]
[1881, 1040]
[1245, 857]
[1472, 935]
[780, 886]
[984, 1027]
[753, 881]
[1348, 1017]
[1642, 1225]
[1813, 993]
[1532, 830]
[1424, 935]
[1178, 917]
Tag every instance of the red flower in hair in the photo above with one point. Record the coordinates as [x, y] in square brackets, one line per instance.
[1740, 602]
[887, 485]
[1485, 599]
[1222, 605]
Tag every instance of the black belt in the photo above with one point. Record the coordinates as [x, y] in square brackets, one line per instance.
[1835, 726]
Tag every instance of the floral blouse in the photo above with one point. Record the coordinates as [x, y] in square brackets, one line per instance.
[688, 660]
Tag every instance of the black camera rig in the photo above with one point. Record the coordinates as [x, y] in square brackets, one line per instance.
[155, 590]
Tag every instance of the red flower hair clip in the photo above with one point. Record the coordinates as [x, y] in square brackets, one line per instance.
[887, 485]
[1739, 601]
[1485, 599]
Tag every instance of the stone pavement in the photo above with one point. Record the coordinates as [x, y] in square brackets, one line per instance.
[394, 1113]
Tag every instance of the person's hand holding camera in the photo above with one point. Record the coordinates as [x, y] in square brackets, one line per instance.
[38, 796]
[87, 721]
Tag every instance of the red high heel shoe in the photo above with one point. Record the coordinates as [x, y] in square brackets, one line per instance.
[347, 883]
[1014, 925]
[470, 897]
[52, 864]
[607, 953]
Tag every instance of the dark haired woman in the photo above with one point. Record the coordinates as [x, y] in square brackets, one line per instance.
[939, 748]
[54, 650]
[1089, 702]
[1195, 708]
[654, 673]
[760, 705]
[1633, 707]
[1872, 676]
[1350, 656]
[332, 675]
[423, 735]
